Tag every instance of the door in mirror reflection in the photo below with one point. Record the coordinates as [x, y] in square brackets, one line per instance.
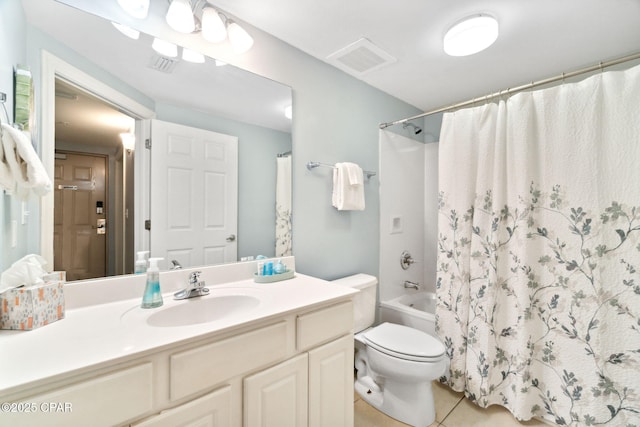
[80, 224]
[194, 201]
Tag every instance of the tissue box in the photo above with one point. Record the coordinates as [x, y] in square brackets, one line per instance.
[32, 307]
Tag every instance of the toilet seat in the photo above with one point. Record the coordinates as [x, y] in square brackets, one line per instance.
[404, 342]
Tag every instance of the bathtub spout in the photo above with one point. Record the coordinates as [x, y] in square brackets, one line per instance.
[410, 284]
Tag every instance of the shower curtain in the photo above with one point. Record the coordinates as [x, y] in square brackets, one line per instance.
[538, 288]
[283, 206]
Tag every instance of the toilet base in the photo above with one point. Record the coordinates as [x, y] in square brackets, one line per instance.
[409, 403]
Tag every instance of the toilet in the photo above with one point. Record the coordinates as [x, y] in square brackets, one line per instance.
[395, 363]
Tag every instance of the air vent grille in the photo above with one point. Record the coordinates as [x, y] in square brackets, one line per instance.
[360, 57]
[163, 64]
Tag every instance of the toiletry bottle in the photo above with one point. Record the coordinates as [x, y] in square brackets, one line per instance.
[152, 297]
[279, 268]
[141, 263]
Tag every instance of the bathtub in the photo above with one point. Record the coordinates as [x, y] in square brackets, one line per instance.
[416, 310]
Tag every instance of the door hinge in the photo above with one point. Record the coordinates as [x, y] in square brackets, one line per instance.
[147, 224]
[147, 144]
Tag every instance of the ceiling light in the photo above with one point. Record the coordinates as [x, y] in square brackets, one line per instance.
[192, 56]
[136, 8]
[240, 40]
[128, 140]
[127, 31]
[165, 48]
[471, 35]
[213, 28]
[180, 16]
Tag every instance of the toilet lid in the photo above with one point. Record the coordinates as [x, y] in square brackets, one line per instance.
[404, 342]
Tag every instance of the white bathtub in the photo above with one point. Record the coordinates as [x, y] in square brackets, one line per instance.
[416, 310]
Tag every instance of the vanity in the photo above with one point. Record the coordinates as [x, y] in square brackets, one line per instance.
[248, 354]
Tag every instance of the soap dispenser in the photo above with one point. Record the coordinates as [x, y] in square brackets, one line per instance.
[152, 297]
[141, 262]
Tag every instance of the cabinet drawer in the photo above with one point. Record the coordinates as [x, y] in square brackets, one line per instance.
[204, 367]
[323, 325]
[106, 400]
[213, 410]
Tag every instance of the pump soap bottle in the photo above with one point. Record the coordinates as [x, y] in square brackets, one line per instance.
[152, 297]
[141, 262]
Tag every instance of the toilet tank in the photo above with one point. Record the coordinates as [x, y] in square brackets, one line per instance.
[364, 302]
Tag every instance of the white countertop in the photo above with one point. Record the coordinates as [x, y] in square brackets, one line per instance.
[93, 335]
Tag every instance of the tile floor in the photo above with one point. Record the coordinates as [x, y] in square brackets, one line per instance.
[452, 410]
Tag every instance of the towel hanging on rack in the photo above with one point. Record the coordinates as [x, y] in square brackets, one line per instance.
[348, 188]
[27, 171]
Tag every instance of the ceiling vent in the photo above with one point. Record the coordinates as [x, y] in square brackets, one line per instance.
[163, 64]
[360, 58]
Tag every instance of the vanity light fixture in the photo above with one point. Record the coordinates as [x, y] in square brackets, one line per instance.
[128, 140]
[192, 56]
[471, 35]
[239, 39]
[165, 48]
[136, 8]
[127, 31]
[180, 16]
[214, 26]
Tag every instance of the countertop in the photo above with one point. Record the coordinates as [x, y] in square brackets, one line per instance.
[91, 336]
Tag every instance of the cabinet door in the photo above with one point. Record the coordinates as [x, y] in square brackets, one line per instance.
[277, 397]
[331, 384]
[211, 410]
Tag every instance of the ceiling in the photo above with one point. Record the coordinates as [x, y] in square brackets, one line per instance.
[538, 39]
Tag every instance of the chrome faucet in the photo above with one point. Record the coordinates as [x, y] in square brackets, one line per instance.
[175, 265]
[195, 289]
[410, 284]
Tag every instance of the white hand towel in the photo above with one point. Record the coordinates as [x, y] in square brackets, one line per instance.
[7, 182]
[346, 196]
[25, 165]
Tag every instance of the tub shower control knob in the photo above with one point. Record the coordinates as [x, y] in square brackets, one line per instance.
[406, 260]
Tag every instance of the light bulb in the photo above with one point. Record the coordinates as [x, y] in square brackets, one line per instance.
[192, 56]
[240, 40]
[165, 48]
[471, 35]
[127, 31]
[213, 28]
[180, 16]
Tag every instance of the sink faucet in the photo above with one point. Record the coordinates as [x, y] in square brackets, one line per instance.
[410, 284]
[195, 289]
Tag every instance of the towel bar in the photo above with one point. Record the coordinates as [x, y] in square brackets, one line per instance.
[313, 165]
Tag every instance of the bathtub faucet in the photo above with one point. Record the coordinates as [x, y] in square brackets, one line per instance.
[410, 284]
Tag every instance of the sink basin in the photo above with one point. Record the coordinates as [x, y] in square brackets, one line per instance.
[202, 310]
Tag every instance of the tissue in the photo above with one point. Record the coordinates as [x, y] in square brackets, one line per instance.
[27, 271]
[29, 296]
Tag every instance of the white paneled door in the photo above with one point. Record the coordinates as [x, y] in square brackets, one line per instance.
[194, 195]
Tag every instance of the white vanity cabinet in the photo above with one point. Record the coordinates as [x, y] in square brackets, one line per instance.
[294, 370]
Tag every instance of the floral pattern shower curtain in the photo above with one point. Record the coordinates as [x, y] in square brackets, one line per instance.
[538, 289]
[283, 206]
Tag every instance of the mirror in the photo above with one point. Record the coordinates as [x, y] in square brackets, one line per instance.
[222, 99]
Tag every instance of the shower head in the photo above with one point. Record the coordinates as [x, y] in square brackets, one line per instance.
[416, 129]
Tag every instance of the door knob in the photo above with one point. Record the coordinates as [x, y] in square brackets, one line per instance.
[231, 238]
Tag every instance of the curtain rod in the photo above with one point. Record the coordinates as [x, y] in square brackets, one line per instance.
[510, 91]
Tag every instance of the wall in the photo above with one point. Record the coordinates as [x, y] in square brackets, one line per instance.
[402, 212]
[13, 41]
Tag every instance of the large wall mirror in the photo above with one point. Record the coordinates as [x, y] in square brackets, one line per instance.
[207, 96]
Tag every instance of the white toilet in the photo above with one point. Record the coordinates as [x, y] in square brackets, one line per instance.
[395, 364]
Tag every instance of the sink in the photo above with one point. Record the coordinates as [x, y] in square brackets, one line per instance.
[202, 310]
